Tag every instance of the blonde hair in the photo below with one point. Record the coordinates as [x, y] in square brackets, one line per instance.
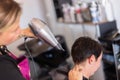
[9, 12]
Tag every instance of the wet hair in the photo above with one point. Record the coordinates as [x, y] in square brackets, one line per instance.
[9, 11]
[83, 48]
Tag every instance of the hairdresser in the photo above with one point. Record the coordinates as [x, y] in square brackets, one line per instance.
[10, 66]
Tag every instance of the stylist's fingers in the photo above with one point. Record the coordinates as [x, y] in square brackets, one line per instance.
[27, 33]
[75, 74]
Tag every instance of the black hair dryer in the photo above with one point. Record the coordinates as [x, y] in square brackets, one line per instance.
[41, 30]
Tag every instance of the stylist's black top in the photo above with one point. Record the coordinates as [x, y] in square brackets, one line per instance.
[9, 69]
[84, 78]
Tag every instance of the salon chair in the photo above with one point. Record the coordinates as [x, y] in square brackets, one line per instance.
[109, 39]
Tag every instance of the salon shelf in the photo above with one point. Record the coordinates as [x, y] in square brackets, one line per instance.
[87, 23]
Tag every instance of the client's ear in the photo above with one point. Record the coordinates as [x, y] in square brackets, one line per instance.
[91, 59]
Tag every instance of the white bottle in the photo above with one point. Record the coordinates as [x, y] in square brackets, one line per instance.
[66, 13]
[78, 14]
[108, 10]
[94, 12]
[72, 14]
[101, 12]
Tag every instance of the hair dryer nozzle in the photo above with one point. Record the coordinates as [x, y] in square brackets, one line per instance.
[41, 30]
[58, 46]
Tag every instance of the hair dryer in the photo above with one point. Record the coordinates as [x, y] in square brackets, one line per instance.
[41, 31]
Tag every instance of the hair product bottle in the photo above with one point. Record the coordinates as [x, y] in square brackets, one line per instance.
[108, 10]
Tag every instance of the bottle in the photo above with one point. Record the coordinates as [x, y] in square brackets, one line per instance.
[72, 14]
[66, 12]
[94, 12]
[101, 13]
[78, 14]
[85, 12]
[108, 10]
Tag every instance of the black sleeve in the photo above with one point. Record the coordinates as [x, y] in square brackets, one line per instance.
[84, 78]
[9, 70]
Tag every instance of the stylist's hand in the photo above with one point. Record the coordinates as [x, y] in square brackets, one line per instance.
[28, 33]
[75, 74]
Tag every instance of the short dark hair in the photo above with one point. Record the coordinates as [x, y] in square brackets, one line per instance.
[83, 48]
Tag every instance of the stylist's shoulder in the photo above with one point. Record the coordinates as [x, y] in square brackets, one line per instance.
[75, 74]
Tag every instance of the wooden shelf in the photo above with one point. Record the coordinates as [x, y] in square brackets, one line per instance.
[88, 23]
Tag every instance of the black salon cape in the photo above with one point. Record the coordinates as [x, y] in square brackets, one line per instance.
[9, 69]
[84, 78]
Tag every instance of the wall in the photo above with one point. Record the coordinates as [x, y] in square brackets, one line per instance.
[31, 9]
